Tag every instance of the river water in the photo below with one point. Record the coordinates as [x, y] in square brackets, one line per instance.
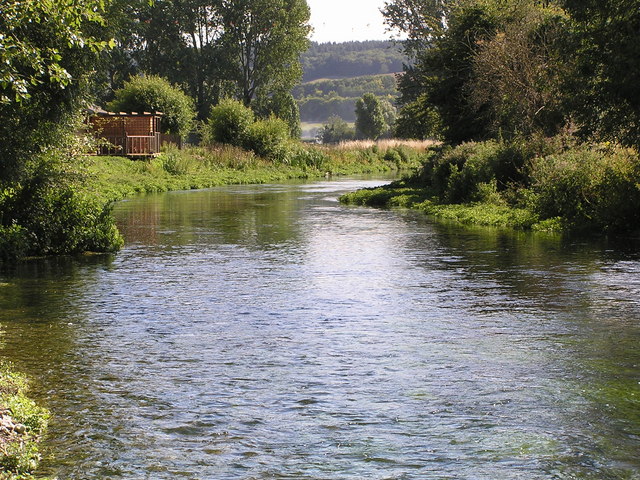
[267, 332]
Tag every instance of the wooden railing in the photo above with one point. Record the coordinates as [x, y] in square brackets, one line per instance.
[142, 145]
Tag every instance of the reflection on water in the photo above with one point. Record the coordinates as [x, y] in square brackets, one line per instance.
[268, 332]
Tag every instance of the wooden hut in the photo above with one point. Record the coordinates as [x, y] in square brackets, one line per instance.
[132, 134]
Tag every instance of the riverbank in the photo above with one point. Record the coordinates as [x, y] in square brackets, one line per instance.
[114, 178]
[549, 185]
[66, 210]
[22, 424]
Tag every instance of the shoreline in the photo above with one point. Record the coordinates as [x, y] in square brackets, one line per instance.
[22, 426]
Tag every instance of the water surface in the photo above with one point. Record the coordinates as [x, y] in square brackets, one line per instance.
[267, 332]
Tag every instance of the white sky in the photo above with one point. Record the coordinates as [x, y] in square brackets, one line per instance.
[346, 20]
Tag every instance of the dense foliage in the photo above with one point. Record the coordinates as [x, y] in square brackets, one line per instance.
[543, 185]
[47, 53]
[247, 49]
[603, 86]
[492, 69]
[155, 94]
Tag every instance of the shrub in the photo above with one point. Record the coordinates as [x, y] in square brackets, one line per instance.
[47, 219]
[336, 130]
[229, 122]
[153, 93]
[590, 188]
[176, 162]
[269, 139]
[462, 174]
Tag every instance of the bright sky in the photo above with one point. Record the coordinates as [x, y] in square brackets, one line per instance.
[346, 20]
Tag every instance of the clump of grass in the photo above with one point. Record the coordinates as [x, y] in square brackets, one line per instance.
[19, 454]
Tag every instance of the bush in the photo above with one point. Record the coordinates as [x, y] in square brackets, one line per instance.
[336, 130]
[590, 188]
[176, 162]
[153, 93]
[269, 139]
[462, 174]
[229, 123]
[46, 219]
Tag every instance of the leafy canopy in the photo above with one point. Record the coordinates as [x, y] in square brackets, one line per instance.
[153, 93]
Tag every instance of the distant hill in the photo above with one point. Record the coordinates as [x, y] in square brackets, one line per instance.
[351, 59]
[336, 75]
[319, 99]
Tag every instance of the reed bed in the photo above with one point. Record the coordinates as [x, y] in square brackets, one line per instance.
[385, 144]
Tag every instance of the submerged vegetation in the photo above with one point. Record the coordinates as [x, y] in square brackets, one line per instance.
[22, 424]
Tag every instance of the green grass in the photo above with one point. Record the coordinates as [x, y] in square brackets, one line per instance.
[113, 178]
[19, 455]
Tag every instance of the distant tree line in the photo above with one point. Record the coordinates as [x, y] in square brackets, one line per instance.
[320, 99]
[348, 87]
[351, 59]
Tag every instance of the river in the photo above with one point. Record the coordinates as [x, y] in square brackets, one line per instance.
[268, 332]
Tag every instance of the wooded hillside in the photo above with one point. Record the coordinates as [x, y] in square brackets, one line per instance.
[351, 59]
[336, 75]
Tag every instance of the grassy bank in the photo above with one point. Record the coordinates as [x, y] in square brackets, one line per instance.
[112, 178]
[22, 424]
[543, 184]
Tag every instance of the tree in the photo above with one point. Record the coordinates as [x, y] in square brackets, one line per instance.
[262, 41]
[156, 94]
[336, 130]
[603, 87]
[369, 117]
[437, 81]
[47, 50]
[182, 42]
[44, 62]
[517, 74]
[421, 22]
